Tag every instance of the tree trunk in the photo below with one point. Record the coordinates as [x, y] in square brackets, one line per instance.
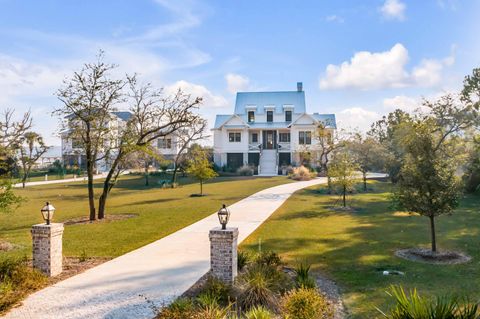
[91, 193]
[174, 176]
[201, 187]
[146, 174]
[344, 195]
[432, 229]
[108, 184]
[24, 180]
[365, 181]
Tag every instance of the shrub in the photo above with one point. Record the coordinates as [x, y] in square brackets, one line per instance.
[303, 278]
[245, 170]
[217, 289]
[301, 174]
[415, 306]
[305, 303]
[268, 258]
[258, 312]
[16, 281]
[243, 258]
[260, 285]
[181, 308]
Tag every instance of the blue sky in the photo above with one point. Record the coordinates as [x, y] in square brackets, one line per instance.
[358, 59]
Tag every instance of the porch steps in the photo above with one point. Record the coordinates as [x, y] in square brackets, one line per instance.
[268, 163]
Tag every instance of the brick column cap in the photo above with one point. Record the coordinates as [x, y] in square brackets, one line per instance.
[52, 229]
[230, 232]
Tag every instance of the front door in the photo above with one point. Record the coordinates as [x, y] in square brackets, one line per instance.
[269, 140]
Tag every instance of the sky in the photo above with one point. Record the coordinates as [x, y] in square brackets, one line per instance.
[357, 59]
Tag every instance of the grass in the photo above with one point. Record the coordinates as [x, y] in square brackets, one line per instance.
[160, 212]
[353, 248]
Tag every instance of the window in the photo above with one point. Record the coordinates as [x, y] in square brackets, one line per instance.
[288, 116]
[235, 137]
[269, 116]
[284, 137]
[304, 137]
[254, 137]
[251, 116]
[164, 143]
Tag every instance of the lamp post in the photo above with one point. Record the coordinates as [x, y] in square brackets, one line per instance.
[223, 216]
[47, 212]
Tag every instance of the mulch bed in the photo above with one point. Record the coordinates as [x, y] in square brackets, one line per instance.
[425, 255]
[107, 218]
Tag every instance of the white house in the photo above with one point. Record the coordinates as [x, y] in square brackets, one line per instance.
[267, 130]
[74, 155]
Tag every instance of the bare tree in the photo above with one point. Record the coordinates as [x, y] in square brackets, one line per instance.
[154, 115]
[30, 148]
[186, 137]
[89, 97]
[11, 130]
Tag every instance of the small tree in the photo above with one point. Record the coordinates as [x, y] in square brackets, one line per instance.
[30, 148]
[199, 166]
[342, 172]
[428, 184]
[367, 153]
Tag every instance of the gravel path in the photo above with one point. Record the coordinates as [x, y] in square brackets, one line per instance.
[157, 272]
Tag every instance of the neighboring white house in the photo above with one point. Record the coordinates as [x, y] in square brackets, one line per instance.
[74, 155]
[267, 130]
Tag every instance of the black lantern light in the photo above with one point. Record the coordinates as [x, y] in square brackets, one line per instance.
[47, 212]
[223, 216]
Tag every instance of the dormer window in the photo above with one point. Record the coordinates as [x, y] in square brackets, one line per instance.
[251, 116]
[288, 116]
[269, 116]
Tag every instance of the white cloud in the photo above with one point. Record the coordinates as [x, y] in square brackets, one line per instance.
[356, 118]
[378, 70]
[367, 70]
[334, 18]
[237, 83]
[210, 100]
[393, 10]
[403, 102]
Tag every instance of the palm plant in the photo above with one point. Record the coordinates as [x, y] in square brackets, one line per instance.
[414, 306]
[303, 278]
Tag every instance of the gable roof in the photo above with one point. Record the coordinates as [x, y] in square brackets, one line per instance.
[276, 99]
[222, 120]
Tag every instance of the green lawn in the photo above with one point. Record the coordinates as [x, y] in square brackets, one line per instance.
[353, 248]
[160, 212]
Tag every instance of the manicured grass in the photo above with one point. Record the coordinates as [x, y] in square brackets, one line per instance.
[353, 248]
[160, 212]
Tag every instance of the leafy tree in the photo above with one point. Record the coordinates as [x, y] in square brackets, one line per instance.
[88, 99]
[199, 166]
[342, 172]
[8, 199]
[328, 142]
[30, 148]
[194, 133]
[428, 183]
[368, 154]
[389, 132]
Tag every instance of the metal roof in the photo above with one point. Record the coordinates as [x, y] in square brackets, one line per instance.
[269, 99]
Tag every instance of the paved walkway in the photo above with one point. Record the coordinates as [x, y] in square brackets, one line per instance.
[58, 181]
[159, 271]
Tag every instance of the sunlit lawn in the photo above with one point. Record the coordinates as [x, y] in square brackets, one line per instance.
[353, 248]
[160, 212]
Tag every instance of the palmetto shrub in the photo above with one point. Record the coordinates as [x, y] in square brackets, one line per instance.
[303, 278]
[259, 312]
[301, 174]
[268, 258]
[414, 306]
[305, 303]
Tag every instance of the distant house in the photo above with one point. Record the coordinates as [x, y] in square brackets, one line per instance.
[267, 130]
[73, 154]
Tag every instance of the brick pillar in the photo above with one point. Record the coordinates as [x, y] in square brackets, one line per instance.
[223, 254]
[47, 248]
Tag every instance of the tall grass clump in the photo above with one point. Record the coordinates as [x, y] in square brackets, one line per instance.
[259, 312]
[415, 306]
[303, 279]
[301, 174]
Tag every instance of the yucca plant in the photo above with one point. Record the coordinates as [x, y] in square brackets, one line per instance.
[414, 306]
[303, 278]
[259, 312]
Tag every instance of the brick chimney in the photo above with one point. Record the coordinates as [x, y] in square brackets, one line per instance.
[299, 86]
